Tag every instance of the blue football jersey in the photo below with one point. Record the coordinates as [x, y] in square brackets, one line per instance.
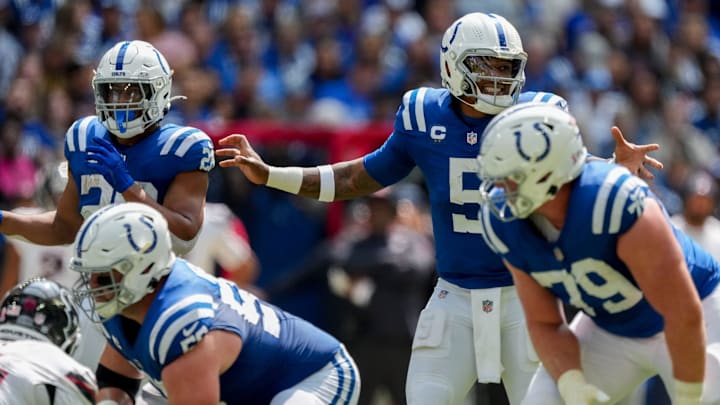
[153, 162]
[278, 349]
[582, 267]
[428, 133]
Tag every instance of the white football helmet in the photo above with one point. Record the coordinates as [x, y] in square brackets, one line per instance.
[482, 57]
[527, 153]
[132, 86]
[121, 252]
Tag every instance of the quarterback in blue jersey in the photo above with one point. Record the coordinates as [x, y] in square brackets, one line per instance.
[124, 153]
[596, 237]
[197, 338]
[474, 307]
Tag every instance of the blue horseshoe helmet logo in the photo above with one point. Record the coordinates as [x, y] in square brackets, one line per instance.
[538, 126]
[144, 249]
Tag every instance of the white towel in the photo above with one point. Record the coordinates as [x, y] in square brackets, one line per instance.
[486, 333]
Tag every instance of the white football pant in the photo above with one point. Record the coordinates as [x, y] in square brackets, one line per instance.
[443, 363]
[617, 365]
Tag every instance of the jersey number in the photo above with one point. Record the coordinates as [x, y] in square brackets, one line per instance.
[248, 307]
[460, 195]
[105, 193]
[612, 284]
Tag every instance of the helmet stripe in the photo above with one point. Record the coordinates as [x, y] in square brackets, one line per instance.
[86, 226]
[502, 41]
[121, 55]
[162, 65]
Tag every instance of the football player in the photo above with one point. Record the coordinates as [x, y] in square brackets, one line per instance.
[124, 153]
[198, 338]
[596, 237]
[38, 333]
[472, 328]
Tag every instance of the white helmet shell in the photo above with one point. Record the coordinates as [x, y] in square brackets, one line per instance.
[136, 68]
[131, 239]
[476, 36]
[530, 150]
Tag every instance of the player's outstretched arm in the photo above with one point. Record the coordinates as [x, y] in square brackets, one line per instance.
[339, 181]
[635, 157]
[193, 378]
[654, 257]
[48, 228]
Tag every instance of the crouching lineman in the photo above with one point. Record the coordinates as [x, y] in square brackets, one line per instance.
[38, 333]
[199, 339]
[596, 237]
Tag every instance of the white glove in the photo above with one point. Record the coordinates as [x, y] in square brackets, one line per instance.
[687, 393]
[574, 390]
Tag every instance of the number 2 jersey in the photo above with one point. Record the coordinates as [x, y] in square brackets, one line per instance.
[582, 267]
[430, 134]
[278, 349]
[153, 162]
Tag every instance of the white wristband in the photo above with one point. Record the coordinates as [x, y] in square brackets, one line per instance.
[287, 179]
[687, 393]
[327, 183]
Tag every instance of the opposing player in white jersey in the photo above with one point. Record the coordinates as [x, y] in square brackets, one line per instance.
[124, 153]
[198, 338]
[595, 236]
[459, 340]
[38, 332]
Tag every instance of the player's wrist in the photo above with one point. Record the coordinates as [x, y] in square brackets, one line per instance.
[288, 179]
[687, 393]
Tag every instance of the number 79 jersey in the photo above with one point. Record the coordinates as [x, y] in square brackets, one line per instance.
[153, 162]
[278, 351]
[430, 134]
[582, 267]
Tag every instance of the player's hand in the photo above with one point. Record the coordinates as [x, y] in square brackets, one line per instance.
[635, 157]
[106, 160]
[574, 390]
[244, 157]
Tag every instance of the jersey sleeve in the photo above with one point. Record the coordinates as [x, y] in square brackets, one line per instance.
[191, 148]
[180, 327]
[392, 161]
[619, 203]
[78, 135]
[495, 232]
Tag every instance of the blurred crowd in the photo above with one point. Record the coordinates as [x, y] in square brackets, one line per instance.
[651, 67]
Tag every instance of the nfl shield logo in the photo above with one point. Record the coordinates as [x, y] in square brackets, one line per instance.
[442, 294]
[487, 306]
[472, 137]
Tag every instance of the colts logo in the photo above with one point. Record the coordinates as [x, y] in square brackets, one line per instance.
[148, 247]
[537, 156]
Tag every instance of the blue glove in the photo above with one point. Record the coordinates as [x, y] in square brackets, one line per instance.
[106, 160]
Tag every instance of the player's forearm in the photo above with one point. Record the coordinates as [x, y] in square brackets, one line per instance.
[340, 181]
[556, 346]
[179, 225]
[685, 337]
[41, 229]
